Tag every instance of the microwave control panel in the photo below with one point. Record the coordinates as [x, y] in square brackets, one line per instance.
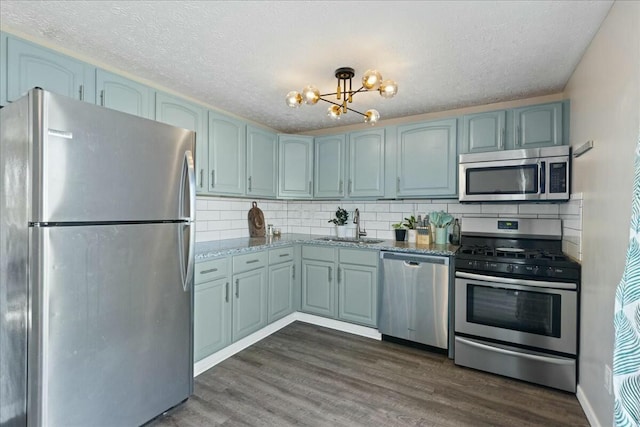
[558, 177]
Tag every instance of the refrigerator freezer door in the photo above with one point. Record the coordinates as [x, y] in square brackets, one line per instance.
[112, 345]
[92, 164]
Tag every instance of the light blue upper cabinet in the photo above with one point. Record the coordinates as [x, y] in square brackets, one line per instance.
[296, 166]
[426, 159]
[484, 132]
[29, 65]
[366, 164]
[227, 140]
[180, 113]
[538, 126]
[329, 164]
[262, 162]
[118, 93]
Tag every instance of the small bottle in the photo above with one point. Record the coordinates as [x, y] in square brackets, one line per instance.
[269, 229]
[455, 238]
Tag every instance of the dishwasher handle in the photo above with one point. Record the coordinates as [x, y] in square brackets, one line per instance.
[414, 259]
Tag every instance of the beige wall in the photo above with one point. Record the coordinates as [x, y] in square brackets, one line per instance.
[605, 107]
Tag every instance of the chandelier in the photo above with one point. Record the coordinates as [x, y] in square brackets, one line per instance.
[371, 81]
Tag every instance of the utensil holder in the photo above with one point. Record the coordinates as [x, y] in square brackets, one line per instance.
[441, 235]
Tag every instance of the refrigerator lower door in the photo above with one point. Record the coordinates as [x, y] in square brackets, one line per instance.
[112, 328]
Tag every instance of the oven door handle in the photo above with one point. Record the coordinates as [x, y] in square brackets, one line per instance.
[523, 282]
[545, 359]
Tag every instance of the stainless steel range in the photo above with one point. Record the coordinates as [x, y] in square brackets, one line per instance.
[516, 301]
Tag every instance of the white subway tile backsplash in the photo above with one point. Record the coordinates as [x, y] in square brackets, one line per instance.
[499, 208]
[454, 208]
[538, 208]
[220, 218]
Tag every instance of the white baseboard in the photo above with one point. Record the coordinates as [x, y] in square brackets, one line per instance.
[338, 325]
[586, 407]
[212, 360]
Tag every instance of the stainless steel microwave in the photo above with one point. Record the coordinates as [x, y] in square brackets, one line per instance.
[535, 174]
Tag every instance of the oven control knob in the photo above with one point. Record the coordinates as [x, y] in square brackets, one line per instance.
[509, 268]
[536, 269]
[549, 271]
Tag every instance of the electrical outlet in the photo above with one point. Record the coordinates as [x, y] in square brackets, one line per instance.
[608, 378]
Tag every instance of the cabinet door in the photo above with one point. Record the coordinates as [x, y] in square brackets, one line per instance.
[211, 318]
[249, 302]
[226, 155]
[484, 132]
[357, 294]
[366, 164]
[29, 65]
[538, 126]
[262, 162]
[177, 112]
[426, 159]
[281, 290]
[296, 165]
[329, 164]
[118, 93]
[318, 287]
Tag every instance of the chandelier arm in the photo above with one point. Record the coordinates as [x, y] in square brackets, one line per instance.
[340, 105]
[352, 92]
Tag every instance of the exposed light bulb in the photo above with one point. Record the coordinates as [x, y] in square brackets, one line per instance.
[371, 79]
[371, 116]
[334, 112]
[310, 94]
[293, 99]
[388, 89]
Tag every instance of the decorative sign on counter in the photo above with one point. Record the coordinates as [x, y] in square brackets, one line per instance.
[256, 221]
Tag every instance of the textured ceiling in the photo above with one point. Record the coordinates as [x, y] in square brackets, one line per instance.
[244, 56]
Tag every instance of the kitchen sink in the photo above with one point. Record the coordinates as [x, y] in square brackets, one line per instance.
[351, 240]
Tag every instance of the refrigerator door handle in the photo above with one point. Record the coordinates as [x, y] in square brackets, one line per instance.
[188, 198]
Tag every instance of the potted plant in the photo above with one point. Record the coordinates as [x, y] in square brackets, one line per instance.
[411, 223]
[342, 216]
[401, 232]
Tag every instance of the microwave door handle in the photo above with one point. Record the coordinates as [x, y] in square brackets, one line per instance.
[543, 175]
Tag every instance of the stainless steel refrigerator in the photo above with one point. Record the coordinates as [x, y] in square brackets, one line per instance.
[96, 264]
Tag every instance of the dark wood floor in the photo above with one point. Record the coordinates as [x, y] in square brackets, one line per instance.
[309, 375]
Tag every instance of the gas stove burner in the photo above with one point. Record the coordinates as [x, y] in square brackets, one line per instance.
[511, 252]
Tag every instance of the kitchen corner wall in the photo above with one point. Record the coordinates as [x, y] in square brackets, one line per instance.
[220, 218]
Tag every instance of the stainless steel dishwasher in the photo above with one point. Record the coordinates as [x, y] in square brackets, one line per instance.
[414, 298]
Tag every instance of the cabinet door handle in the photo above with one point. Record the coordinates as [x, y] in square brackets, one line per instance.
[338, 274]
[249, 183]
[293, 271]
[213, 178]
[102, 97]
[518, 135]
[251, 261]
[340, 187]
[211, 270]
[226, 292]
[349, 190]
[283, 255]
[237, 288]
[201, 175]
[310, 189]
[81, 92]
[398, 185]
[501, 143]
[330, 270]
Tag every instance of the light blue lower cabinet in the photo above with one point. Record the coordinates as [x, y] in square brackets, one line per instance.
[357, 294]
[318, 290]
[212, 318]
[249, 302]
[281, 290]
[341, 284]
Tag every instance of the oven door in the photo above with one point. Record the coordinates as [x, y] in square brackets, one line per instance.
[516, 311]
[502, 180]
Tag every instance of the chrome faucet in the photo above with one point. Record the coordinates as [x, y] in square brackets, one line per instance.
[356, 221]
